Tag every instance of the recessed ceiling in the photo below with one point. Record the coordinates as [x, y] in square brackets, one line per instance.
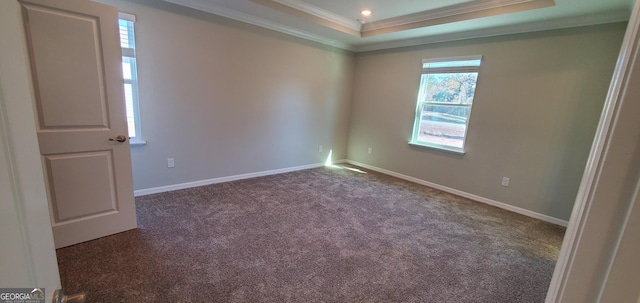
[409, 22]
[380, 8]
[433, 15]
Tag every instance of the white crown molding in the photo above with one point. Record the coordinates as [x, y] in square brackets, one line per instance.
[314, 15]
[613, 17]
[250, 19]
[444, 12]
[320, 13]
[452, 13]
[449, 14]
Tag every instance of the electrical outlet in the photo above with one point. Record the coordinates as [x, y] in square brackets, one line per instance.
[505, 181]
[370, 150]
[320, 149]
[170, 162]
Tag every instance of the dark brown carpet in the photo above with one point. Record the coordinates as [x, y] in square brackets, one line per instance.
[318, 235]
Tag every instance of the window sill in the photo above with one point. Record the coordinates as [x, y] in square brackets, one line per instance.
[137, 143]
[439, 148]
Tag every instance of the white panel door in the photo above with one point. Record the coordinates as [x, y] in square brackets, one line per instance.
[82, 130]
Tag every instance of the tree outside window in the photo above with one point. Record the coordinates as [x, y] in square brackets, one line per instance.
[447, 88]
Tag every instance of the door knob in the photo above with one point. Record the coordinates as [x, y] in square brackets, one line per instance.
[119, 138]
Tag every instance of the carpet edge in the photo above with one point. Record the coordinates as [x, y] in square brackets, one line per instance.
[505, 206]
[172, 187]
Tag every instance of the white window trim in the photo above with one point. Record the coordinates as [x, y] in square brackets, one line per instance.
[130, 52]
[420, 104]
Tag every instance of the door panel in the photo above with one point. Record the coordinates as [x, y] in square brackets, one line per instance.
[77, 75]
[90, 171]
[62, 102]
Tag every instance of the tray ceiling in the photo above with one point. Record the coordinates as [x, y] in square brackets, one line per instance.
[396, 23]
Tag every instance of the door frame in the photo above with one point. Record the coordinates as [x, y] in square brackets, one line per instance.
[27, 201]
[32, 209]
[605, 197]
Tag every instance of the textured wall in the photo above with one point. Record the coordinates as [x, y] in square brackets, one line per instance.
[537, 104]
[225, 98]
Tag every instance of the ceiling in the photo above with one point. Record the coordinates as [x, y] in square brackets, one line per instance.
[397, 23]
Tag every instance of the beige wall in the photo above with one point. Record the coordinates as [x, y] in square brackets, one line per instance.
[21, 130]
[224, 98]
[599, 260]
[537, 104]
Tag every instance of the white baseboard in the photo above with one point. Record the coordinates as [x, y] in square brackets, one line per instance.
[526, 212]
[477, 198]
[162, 189]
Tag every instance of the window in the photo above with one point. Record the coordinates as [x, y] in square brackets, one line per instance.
[129, 73]
[447, 87]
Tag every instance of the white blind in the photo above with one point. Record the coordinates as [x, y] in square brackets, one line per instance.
[128, 17]
[127, 38]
